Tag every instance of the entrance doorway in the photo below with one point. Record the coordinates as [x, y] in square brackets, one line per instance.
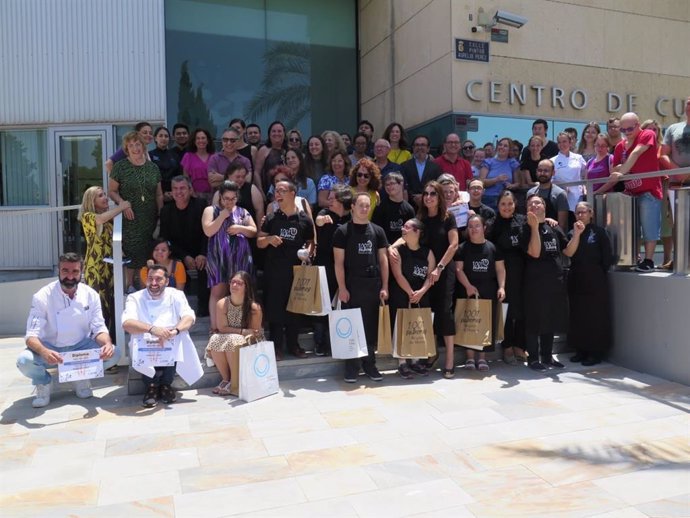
[80, 155]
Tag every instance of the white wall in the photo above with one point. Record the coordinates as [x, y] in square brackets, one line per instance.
[15, 301]
[70, 61]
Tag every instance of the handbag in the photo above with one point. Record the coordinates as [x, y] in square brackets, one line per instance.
[473, 323]
[413, 334]
[347, 333]
[258, 371]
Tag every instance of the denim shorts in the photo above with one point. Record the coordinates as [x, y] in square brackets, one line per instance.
[649, 209]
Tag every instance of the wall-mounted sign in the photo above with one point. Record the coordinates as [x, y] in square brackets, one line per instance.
[500, 35]
[471, 50]
[466, 123]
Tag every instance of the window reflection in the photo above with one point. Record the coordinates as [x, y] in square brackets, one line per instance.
[23, 171]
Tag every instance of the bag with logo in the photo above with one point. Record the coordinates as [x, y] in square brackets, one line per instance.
[309, 293]
[347, 333]
[384, 344]
[413, 334]
[473, 323]
[258, 371]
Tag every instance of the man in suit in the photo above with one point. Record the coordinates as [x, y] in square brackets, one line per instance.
[419, 169]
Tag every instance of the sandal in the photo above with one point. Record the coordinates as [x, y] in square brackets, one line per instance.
[482, 366]
[448, 373]
[225, 389]
[509, 356]
[520, 354]
[216, 390]
[470, 365]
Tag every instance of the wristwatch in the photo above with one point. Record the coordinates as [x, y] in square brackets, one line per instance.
[440, 266]
[178, 331]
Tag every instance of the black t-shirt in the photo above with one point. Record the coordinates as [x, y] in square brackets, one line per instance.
[479, 265]
[324, 237]
[183, 228]
[548, 151]
[505, 234]
[436, 234]
[549, 263]
[361, 244]
[414, 265]
[527, 164]
[168, 164]
[294, 230]
[486, 212]
[391, 216]
[594, 249]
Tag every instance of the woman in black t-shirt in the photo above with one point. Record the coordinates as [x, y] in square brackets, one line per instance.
[481, 273]
[411, 281]
[166, 160]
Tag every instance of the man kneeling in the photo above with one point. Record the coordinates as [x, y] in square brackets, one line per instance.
[65, 316]
[156, 314]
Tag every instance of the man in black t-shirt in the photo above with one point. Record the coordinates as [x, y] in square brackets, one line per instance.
[393, 210]
[361, 269]
[540, 128]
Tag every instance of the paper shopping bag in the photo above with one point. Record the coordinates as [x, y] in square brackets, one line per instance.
[347, 333]
[258, 371]
[413, 335]
[384, 344]
[473, 323]
[309, 293]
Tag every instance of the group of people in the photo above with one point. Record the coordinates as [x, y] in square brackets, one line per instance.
[389, 222]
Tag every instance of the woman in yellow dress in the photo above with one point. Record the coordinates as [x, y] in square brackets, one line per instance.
[97, 222]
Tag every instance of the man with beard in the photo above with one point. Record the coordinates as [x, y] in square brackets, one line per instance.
[181, 136]
[554, 197]
[155, 315]
[252, 135]
[65, 316]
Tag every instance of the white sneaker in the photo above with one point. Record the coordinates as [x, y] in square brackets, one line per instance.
[83, 389]
[42, 396]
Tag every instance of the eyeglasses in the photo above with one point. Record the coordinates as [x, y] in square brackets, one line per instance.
[230, 200]
[237, 282]
[433, 194]
[233, 140]
[362, 175]
[392, 183]
[282, 191]
[629, 129]
[420, 144]
[295, 139]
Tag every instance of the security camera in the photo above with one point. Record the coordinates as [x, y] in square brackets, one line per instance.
[510, 19]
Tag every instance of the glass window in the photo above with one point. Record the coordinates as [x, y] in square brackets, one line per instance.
[23, 170]
[262, 61]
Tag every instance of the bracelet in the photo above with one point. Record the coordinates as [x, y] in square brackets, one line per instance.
[150, 329]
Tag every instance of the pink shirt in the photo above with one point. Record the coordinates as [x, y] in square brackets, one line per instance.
[197, 169]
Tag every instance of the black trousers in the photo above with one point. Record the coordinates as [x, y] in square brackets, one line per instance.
[536, 342]
[285, 334]
[364, 294]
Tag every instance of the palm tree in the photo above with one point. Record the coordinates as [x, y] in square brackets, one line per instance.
[286, 85]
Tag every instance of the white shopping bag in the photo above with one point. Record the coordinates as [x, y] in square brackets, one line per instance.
[258, 371]
[347, 333]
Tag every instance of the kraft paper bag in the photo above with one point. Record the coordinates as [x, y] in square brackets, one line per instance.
[473, 323]
[413, 335]
[309, 293]
[346, 330]
[384, 342]
[258, 371]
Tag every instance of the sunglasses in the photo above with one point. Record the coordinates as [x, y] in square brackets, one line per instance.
[430, 193]
[467, 148]
[629, 129]
[295, 139]
[233, 140]
[362, 175]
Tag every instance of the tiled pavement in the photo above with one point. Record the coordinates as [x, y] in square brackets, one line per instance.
[603, 441]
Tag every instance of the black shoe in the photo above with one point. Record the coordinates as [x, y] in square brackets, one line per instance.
[417, 368]
[646, 265]
[553, 363]
[371, 371]
[537, 366]
[405, 372]
[579, 357]
[151, 396]
[167, 394]
[351, 373]
[319, 350]
[591, 361]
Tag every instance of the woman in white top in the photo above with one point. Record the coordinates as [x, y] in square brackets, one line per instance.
[569, 167]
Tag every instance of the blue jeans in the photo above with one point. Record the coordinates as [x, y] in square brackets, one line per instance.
[33, 366]
[649, 209]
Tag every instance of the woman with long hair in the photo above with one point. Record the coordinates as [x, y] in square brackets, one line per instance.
[366, 177]
[96, 218]
[229, 228]
[316, 159]
[396, 136]
[600, 165]
[238, 316]
[499, 173]
[276, 141]
[333, 142]
[306, 188]
[586, 145]
[195, 162]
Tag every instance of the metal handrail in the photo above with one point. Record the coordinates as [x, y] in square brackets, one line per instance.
[118, 287]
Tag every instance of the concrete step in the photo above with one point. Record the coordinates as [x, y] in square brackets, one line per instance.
[293, 368]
